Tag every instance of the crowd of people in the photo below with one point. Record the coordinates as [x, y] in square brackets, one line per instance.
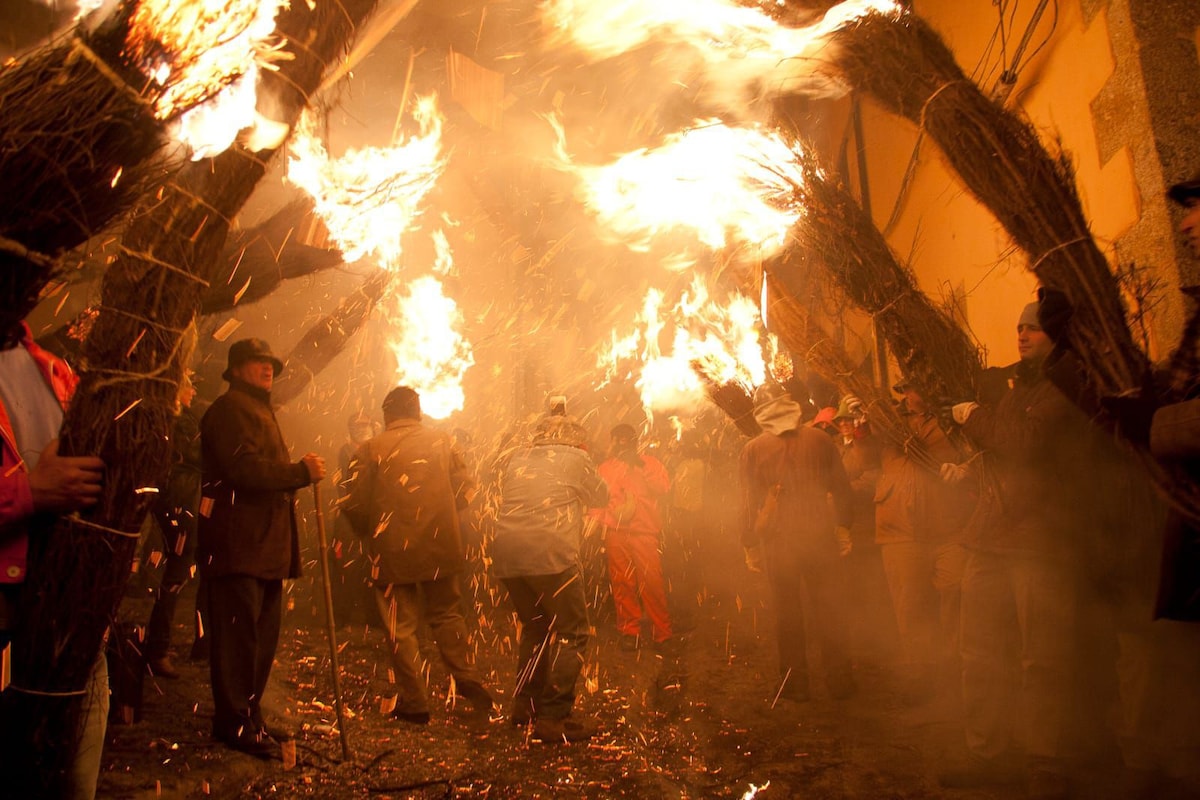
[1017, 545]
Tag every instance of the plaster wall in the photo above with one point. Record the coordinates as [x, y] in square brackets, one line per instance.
[1080, 82]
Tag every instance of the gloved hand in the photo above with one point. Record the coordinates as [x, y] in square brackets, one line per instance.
[1054, 314]
[754, 558]
[845, 543]
[1133, 415]
[962, 412]
[854, 404]
[953, 473]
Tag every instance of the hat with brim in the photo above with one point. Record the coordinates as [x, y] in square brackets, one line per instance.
[245, 350]
[1185, 193]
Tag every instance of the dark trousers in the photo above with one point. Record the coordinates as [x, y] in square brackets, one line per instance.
[400, 608]
[162, 617]
[789, 575]
[553, 643]
[245, 615]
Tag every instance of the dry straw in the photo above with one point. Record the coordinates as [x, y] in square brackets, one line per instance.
[134, 358]
[76, 145]
[835, 235]
[906, 67]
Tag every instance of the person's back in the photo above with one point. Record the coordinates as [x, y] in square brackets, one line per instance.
[545, 491]
[417, 483]
[805, 465]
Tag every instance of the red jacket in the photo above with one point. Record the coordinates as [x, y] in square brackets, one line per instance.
[646, 484]
[16, 499]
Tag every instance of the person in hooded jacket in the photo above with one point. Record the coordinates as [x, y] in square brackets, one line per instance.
[797, 505]
[545, 488]
[1018, 586]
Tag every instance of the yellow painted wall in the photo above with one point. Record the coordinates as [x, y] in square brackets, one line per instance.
[951, 240]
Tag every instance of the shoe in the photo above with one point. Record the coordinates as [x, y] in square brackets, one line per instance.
[629, 643]
[479, 698]
[251, 742]
[1046, 785]
[521, 714]
[277, 733]
[567, 729]
[162, 667]
[412, 717]
[979, 772]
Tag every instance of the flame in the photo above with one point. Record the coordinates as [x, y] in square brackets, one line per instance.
[443, 261]
[368, 198]
[715, 182]
[431, 354]
[194, 50]
[723, 340]
[753, 791]
[738, 48]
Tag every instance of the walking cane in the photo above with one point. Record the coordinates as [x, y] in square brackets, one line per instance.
[330, 624]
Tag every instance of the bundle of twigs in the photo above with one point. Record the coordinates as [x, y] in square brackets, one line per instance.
[732, 398]
[254, 263]
[133, 361]
[807, 340]
[258, 259]
[835, 234]
[77, 137]
[906, 67]
[324, 341]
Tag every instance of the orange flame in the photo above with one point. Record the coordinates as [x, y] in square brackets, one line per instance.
[431, 354]
[194, 50]
[738, 47]
[723, 340]
[712, 181]
[368, 198]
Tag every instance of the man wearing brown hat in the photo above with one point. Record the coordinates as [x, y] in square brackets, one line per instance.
[248, 540]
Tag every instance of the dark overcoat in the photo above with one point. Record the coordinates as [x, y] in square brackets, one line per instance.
[247, 510]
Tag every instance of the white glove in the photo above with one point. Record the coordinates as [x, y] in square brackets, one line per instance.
[962, 412]
[853, 404]
[953, 473]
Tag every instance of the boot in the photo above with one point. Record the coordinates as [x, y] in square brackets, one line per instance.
[162, 667]
[567, 729]
[479, 698]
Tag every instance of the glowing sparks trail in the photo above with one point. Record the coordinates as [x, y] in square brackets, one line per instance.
[723, 340]
[368, 198]
[431, 354]
[738, 47]
[717, 182]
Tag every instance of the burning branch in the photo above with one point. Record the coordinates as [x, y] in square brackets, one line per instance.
[122, 412]
[84, 117]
